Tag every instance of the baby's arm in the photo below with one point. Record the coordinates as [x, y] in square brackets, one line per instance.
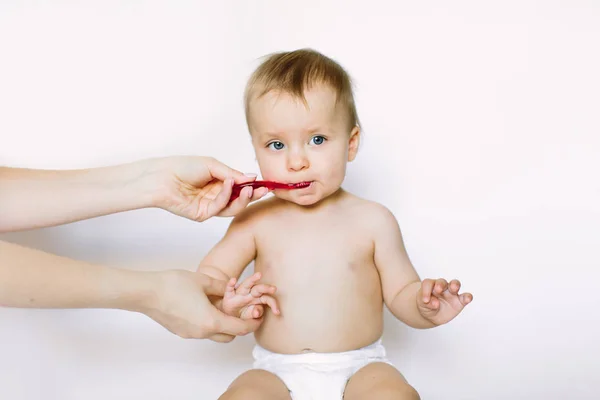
[227, 260]
[232, 254]
[418, 304]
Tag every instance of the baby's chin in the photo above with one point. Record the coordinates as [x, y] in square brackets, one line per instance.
[301, 200]
[306, 200]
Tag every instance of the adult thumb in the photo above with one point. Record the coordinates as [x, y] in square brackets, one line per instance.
[221, 171]
[212, 286]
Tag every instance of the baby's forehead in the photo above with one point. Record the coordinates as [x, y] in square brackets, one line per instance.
[280, 111]
[317, 100]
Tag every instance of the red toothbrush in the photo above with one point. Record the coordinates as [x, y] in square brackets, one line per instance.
[237, 188]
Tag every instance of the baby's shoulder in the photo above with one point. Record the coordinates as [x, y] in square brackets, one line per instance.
[371, 213]
[367, 207]
[256, 213]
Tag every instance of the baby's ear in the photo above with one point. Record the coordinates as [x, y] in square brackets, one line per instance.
[353, 143]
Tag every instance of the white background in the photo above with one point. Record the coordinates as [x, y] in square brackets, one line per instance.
[481, 126]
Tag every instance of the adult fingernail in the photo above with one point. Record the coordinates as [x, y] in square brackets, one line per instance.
[251, 175]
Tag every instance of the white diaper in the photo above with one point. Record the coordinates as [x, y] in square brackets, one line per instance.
[317, 376]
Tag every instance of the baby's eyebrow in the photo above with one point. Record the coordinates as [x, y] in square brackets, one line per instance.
[271, 135]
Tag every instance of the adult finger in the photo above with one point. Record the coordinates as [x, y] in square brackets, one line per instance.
[242, 201]
[252, 311]
[259, 193]
[247, 312]
[221, 338]
[211, 286]
[221, 201]
[221, 204]
[258, 311]
[247, 196]
[235, 326]
[221, 171]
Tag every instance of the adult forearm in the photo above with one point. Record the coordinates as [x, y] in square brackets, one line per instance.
[35, 279]
[32, 198]
[404, 307]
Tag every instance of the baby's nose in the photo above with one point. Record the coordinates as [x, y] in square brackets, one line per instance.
[298, 161]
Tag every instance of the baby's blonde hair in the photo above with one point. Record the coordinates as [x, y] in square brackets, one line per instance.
[296, 71]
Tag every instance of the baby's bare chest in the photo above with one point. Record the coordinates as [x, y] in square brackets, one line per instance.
[321, 251]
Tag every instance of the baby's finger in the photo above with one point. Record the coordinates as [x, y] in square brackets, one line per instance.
[426, 289]
[440, 286]
[262, 288]
[465, 298]
[244, 288]
[433, 304]
[230, 288]
[245, 282]
[454, 286]
[271, 302]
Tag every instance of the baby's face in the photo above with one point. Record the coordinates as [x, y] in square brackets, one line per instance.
[294, 143]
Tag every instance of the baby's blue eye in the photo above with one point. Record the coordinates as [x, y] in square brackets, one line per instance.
[275, 145]
[318, 140]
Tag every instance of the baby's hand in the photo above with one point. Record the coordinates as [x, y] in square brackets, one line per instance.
[246, 300]
[439, 302]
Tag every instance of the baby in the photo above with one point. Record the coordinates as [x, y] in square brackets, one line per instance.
[332, 258]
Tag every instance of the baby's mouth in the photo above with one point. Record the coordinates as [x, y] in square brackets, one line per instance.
[300, 185]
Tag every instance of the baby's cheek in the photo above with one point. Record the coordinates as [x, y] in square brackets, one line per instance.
[335, 174]
[275, 175]
[268, 166]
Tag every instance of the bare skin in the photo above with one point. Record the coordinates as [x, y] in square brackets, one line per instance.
[379, 381]
[256, 384]
[193, 187]
[344, 284]
[335, 259]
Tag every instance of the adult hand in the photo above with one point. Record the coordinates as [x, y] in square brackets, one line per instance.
[190, 186]
[179, 302]
[199, 188]
[176, 299]
[247, 299]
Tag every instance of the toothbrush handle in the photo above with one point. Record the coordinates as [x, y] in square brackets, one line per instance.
[237, 188]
